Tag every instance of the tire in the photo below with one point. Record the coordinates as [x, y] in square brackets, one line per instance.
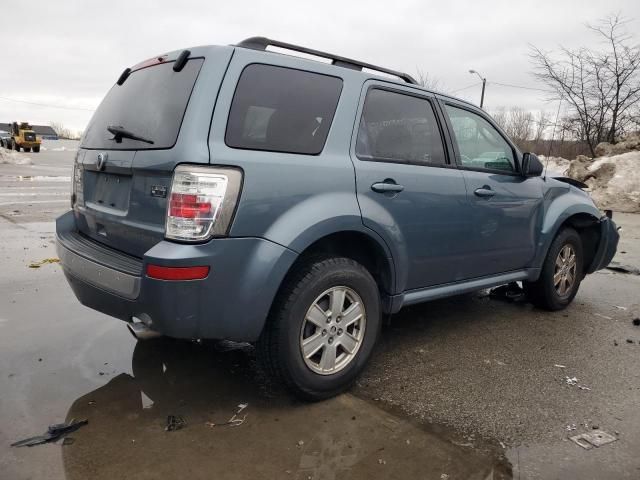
[315, 283]
[27, 149]
[36, 149]
[547, 293]
[16, 147]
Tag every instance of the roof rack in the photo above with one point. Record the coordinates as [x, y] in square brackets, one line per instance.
[261, 43]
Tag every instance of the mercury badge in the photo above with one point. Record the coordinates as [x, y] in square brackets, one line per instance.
[101, 161]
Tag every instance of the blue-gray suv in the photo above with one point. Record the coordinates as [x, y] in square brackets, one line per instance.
[233, 192]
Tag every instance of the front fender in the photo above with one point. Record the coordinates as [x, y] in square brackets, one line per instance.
[560, 204]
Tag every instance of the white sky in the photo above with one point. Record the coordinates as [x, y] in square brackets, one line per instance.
[70, 52]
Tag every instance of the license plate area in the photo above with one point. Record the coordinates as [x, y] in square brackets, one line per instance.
[107, 191]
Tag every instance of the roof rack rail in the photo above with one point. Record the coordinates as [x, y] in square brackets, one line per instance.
[261, 43]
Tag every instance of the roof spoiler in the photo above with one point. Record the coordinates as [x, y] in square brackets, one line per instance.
[261, 43]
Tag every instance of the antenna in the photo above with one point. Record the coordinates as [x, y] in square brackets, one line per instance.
[553, 134]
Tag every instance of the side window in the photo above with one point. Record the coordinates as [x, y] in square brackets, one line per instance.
[282, 110]
[480, 145]
[399, 128]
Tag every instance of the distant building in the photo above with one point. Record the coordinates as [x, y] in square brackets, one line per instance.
[43, 131]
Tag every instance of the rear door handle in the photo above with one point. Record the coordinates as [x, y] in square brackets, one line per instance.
[484, 192]
[387, 187]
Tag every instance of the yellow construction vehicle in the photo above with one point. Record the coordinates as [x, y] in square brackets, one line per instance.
[23, 136]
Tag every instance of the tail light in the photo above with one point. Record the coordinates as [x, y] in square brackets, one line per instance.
[202, 202]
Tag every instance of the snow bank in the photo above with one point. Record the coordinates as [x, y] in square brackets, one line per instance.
[12, 157]
[614, 181]
[60, 145]
[555, 166]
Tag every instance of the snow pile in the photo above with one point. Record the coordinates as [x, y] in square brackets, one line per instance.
[12, 157]
[628, 144]
[614, 181]
[60, 145]
[555, 166]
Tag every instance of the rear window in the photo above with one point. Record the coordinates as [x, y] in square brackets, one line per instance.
[282, 110]
[150, 104]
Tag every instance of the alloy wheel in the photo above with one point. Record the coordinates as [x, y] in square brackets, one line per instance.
[333, 330]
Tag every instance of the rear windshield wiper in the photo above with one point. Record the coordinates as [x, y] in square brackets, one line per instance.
[120, 132]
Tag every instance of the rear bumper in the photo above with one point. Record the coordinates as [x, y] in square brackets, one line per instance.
[231, 303]
[607, 246]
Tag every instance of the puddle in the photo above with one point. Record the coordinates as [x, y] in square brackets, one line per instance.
[345, 437]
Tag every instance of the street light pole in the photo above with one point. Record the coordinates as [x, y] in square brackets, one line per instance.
[484, 83]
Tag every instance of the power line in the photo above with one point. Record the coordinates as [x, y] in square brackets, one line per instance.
[466, 88]
[47, 105]
[519, 86]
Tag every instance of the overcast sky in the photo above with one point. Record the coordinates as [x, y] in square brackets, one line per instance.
[69, 53]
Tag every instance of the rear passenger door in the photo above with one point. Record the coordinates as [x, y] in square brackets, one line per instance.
[507, 207]
[408, 190]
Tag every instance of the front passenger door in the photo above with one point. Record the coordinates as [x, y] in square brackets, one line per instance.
[507, 207]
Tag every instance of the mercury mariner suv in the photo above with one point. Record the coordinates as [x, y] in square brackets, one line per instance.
[234, 192]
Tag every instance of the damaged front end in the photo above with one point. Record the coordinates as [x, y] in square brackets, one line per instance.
[607, 245]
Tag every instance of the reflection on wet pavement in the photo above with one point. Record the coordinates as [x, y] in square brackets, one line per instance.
[281, 438]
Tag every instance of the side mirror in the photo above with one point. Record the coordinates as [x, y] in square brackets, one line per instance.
[531, 165]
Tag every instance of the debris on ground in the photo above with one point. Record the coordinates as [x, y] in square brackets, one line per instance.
[43, 262]
[175, 422]
[571, 428]
[53, 433]
[234, 421]
[636, 322]
[511, 292]
[602, 316]
[620, 308]
[560, 366]
[630, 340]
[596, 438]
[573, 381]
[623, 268]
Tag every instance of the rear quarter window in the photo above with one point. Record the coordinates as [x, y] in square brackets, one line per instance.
[281, 109]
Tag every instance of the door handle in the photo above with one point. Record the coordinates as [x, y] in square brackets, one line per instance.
[484, 192]
[387, 187]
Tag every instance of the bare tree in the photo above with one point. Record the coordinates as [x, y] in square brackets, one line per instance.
[602, 88]
[516, 122]
[62, 131]
[429, 82]
[542, 122]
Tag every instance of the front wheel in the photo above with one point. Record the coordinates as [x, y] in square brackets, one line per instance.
[16, 147]
[36, 149]
[561, 273]
[322, 328]
[27, 149]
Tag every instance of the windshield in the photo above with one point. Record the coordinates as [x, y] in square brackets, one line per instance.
[150, 103]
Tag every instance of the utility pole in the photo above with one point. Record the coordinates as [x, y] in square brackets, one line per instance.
[484, 83]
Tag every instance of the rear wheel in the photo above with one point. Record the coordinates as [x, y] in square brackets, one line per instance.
[27, 149]
[561, 273]
[322, 328]
[36, 149]
[16, 147]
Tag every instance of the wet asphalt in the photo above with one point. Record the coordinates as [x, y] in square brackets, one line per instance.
[467, 387]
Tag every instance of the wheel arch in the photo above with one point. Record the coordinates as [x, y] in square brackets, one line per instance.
[583, 217]
[358, 244]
